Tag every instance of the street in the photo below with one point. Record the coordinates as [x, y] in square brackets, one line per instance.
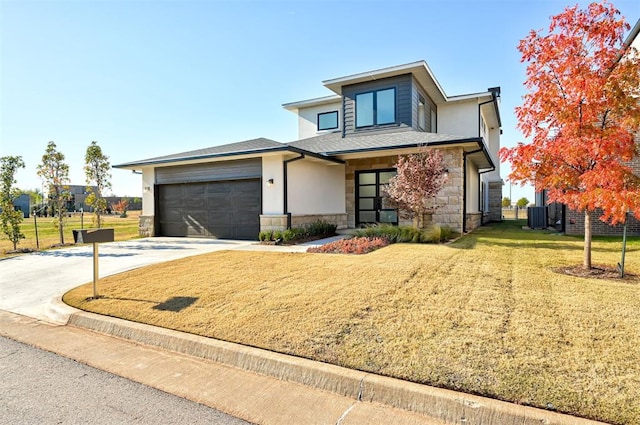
[37, 386]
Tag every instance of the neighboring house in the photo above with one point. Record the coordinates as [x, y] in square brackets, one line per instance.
[572, 222]
[348, 145]
[22, 203]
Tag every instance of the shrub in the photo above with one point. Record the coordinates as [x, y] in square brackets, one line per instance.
[318, 228]
[357, 245]
[265, 235]
[396, 234]
[321, 227]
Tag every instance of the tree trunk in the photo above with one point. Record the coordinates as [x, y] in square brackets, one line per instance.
[60, 223]
[587, 241]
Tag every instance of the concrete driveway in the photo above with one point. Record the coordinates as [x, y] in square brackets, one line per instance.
[32, 284]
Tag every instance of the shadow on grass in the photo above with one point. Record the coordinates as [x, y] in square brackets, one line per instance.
[176, 304]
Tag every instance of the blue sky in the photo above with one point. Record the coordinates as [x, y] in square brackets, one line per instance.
[149, 78]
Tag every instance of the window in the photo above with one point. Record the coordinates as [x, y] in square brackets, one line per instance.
[376, 108]
[328, 120]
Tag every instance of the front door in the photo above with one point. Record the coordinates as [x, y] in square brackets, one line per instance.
[371, 206]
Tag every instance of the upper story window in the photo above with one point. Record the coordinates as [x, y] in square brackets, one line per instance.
[328, 120]
[376, 108]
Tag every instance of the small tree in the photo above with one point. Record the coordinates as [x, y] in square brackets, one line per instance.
[96, 170]
[9, 217]
[581, 112]
[121, 207]
[420, 177]
[55, 174]
[522, 202]
[506, 202]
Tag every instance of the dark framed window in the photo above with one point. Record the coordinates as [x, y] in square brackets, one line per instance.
[328, 120]
[376, 108]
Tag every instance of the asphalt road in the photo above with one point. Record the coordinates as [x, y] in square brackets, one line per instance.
[41, 387]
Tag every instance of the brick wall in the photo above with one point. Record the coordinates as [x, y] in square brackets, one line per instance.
[575, 225]
[574, 221]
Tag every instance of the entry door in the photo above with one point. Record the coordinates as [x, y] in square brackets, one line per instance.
[371, 207]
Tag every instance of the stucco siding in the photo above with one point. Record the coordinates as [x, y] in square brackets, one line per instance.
[308, 119]
[272, 193]
[315, 187]
[459, 118]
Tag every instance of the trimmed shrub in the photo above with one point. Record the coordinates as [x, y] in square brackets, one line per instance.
[397, 234]
[357, 245]
[318, 228]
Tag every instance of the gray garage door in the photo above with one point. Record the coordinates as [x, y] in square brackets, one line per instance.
[222, 209]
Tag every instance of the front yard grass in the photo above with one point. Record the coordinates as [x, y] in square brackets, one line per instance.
[485, 315]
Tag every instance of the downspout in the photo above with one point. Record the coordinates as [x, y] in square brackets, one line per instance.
[285, 206]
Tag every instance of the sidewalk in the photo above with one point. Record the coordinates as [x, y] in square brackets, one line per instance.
[253, 384]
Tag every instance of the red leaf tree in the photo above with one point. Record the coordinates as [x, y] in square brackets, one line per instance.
[581, 113]
[420, 177]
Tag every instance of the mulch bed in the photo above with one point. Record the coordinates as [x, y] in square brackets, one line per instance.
[597, 272]
[297, 241]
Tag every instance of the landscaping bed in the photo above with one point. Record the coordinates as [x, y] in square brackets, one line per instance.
[486, 314]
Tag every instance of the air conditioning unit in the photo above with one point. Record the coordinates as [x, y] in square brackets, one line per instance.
[537, 217]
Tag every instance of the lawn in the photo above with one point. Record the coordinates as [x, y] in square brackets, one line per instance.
[486, 314]
[48, 235]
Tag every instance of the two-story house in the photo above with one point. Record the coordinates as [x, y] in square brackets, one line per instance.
[348, 144]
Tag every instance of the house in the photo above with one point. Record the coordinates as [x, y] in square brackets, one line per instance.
[348, 143]
[570, 221]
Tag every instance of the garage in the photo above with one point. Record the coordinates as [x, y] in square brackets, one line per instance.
[215, 200]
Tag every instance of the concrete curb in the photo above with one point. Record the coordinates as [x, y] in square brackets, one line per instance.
[450, 406]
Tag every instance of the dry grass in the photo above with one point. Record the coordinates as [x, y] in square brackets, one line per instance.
[48, 236]
[485, 315]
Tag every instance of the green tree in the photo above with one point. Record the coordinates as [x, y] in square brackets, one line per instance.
[9, 217]
[522, 202]
[96, 170]
[506, 202]
[54, 171]
[35, 195]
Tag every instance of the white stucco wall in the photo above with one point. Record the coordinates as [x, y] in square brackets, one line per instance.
[272, 195]
[473, 188]
[316, 187]
[308, 119]
[148, 182]
[459, 118]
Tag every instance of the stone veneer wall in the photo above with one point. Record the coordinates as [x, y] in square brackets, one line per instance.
[146, 226]
[273, 222]
[339, 220]
[495, 201]
[449, 200]
[474, 220]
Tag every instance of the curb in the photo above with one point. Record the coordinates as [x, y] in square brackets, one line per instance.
[441, 404]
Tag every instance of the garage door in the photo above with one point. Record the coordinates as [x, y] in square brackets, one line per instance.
[222, 209]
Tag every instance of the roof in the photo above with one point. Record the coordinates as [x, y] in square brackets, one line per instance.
[318, 101]
[333, 144]
[329, 146]
[259, 145]
[419, 69]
